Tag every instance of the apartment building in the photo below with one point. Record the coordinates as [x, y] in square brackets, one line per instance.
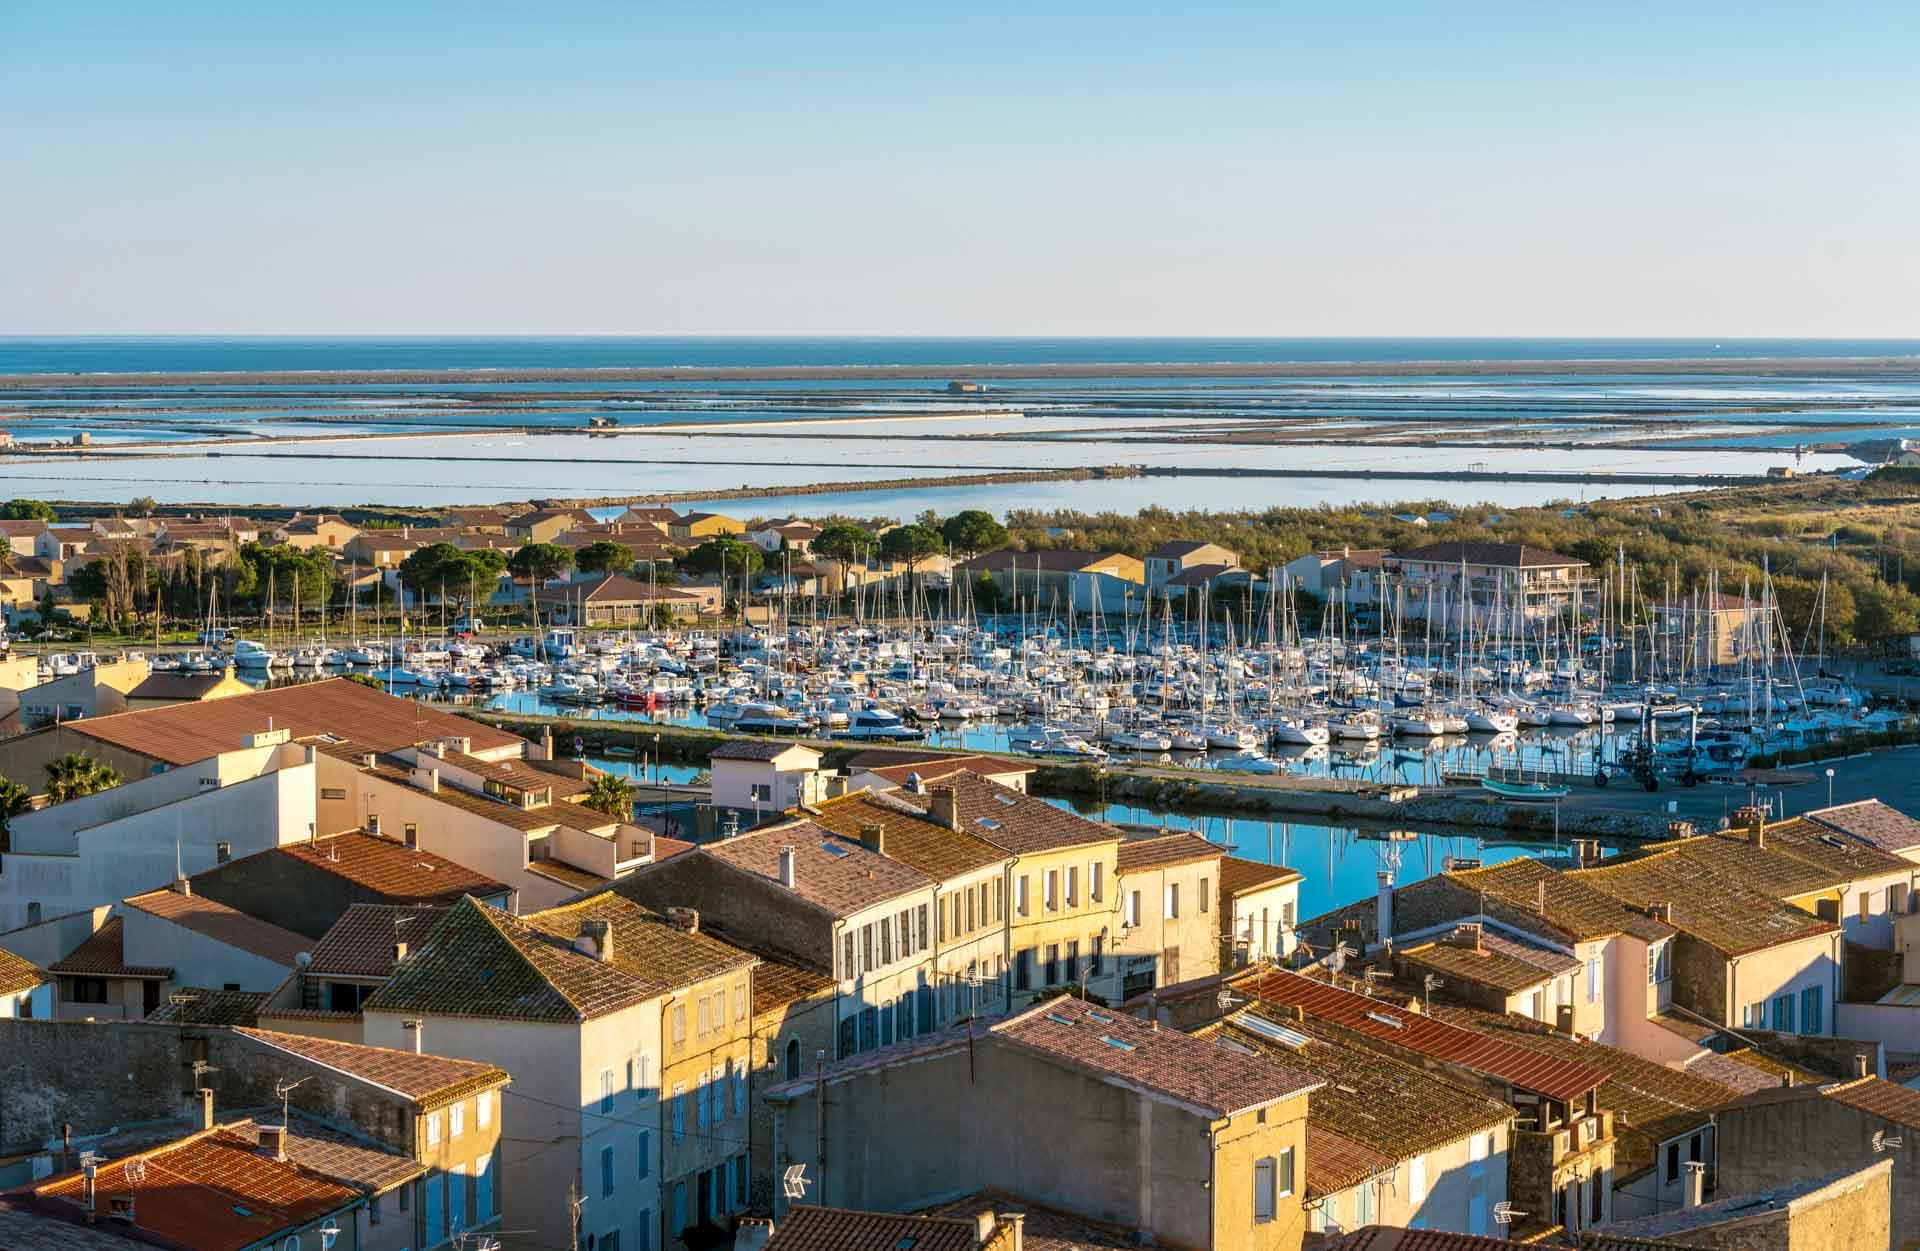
[1502, 585]
[1144, 1128]
[1259, 903]
[1170, 925]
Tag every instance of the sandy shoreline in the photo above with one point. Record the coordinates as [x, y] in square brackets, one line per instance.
[1836, 366]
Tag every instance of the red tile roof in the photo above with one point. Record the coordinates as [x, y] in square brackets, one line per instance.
[213, 1191]
[373, 720]
[387, 867]
[930, 765]
[217, 921]
[1138, 855]
[104, 955]
[809, 1228]
[361, 943]
[428, 1080]
[1130, 1052]
[17, 975]
[1557, 1079]
[1335, 1163]
[1880, 1098]
[1239, 875]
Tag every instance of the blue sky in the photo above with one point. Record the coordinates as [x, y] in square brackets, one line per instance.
[1390, 168]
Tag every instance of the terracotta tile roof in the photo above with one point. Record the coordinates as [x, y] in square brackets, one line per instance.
[911, 837]
[349, 1159]
[1238, 875]
[831, 872]
[212, 919]
[1502, 962]
[618, 588]
[1880, 1098]
[1498, 555]
[665, 848]
[1708, 903]
[1765, 870]
[1393, 1238]
[781, 981]
[644, 943]
[1173, 549]
[103, 954]
[1014, 820]
[1200, 575]
[430, 1081]
[361, 942]
[18, 975]
[877, 759]
[1747, 1071]
[1164, 851]
[214, 1191]
[527, 775]
[808, 1228]
[183, 733]
[1373, 1018]
[22, 1228]
[482, 963]
[1571, 905]
[1842, 858]
[757, 749]
[931, 766]
[1045, 561]
[176, 686]
[1334, 1163]
[1163, 1062]
[1047, 1229]
[1650, 1101]
[198, 1005]
[1388, 1106]
[1873, 823]
[388, 868]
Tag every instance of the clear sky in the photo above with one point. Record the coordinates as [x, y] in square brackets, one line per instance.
[814, 167]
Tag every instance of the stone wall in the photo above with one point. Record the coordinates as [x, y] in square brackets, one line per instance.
[1869, 972]
[760, 912]
[1700, 979]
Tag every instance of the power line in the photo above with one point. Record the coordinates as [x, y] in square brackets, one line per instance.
[628, 1120]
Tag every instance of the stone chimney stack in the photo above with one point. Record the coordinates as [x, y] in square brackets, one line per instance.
[1693, 1185]
[686, 920]
[415, 1028]
[874, 835]
[945, 808]
[595, 939]
[204, 1097]
[273, 1142]
[1753, 819]
[787, 855]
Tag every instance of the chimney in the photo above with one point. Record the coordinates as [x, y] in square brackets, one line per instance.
[545, 750]
[786, 867]
[1017, 1221]
[1662, 911]
[1753, 819]
[752, 1233]
[204, 1096]
[913, 784]
[183, 885]
[1860, 1066]
[87, 1171]
[595, 939]
[415, 1028]
[874, 835]
[687, 920]
[1679, 829]
[1692, 1185]
[273, 1142]
[1563, 1019]
[399, 952]
[1384, 910]
[1292, 1012]
[945, 808]
[836, 785]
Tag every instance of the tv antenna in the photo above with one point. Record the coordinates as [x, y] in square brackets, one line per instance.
[283, 1092]
[329, 1234]
[135, 1171]
[1882, 1142]
[794, 1181]
[1226, 999]
[1504, 1213]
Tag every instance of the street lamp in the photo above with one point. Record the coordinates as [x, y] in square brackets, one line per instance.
[1829, 787]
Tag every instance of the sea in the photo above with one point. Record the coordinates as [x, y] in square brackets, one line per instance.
[223, 353]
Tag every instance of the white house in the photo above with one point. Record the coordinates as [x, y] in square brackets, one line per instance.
[765, 778]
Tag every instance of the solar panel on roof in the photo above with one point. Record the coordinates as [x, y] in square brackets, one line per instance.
[1271, 1030]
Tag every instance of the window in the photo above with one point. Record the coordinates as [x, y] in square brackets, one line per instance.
[1206, 894]
[740, 1181]
[643, 1155]
[1363, 1205]
[761, 792]
[1417, 1180]
[886, 940]
[456, 1120]
[706, 1021]
[606, 1090]
[1133, 909]
[1593, 980]
[1896, 898]
[702, 1093]
[1053, 965]
[740, 1002]
[1812, 1011]
[1073, 886]
[483, 1108]
[679, 1111]
[1866, 904]
[1073, 961]
[1265, 1198]
[1023, 969]
[606, 1172]
[791, 1069]
[1099, 948]
[1673, 1161]
[922, 931]
[866, 946]
[963, 925]
[1753, 1016]
[1095, 887]
[637, 1075]
[645, 1241]
[436, 1207]
[947, 905]
[679, 1023]
[1783, 1013]
[1173, 900]
[433, 1129]
[1659, 963]
[1053, 890]
[846, 955]
[457, 1199]
[999, 898]
[740, 1085]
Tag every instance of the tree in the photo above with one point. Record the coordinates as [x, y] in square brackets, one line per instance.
[611, 794]
[842, 542]
[14, 802]
[972, 532]
[1884, 613]
[28, 510]
[458, 573]
[723, 555]
[909, 545]
[280, 566]
[109, 581]
[605, 556]
[142, 506]
[540, 561]
[76, 774]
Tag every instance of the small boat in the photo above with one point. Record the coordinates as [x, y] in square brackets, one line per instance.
[1525, 790]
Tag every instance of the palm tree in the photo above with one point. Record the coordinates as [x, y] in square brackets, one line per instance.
[14, 801]
[76, 774]
[611, 794]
